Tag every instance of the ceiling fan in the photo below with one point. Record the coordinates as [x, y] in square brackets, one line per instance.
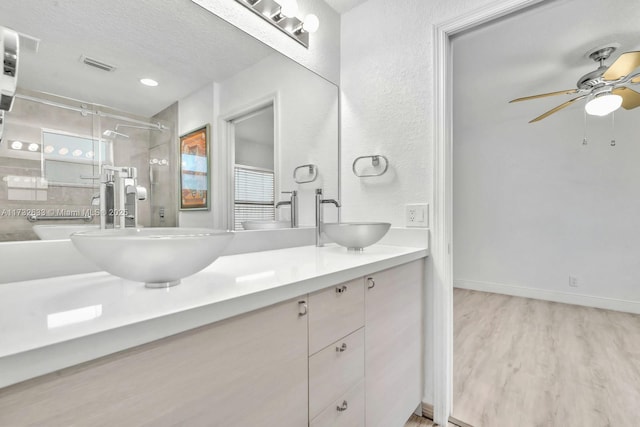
[605, 86]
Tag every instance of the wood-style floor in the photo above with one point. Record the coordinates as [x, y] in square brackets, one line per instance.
[524, 362]
[416, 421]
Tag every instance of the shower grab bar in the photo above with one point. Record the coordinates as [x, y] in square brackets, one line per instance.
[313, 171]
[375, 161]
[35, 218]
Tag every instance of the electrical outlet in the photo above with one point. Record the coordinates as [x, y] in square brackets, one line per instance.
[417, 215]
[573, 281]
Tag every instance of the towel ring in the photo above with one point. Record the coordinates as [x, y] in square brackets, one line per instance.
[375, 162]
[313, 171]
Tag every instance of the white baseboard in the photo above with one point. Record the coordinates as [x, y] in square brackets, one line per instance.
[548, 295]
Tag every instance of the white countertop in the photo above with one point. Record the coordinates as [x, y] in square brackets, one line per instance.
[49, 324]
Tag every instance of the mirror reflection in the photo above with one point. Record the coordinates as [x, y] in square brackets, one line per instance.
[86, 144]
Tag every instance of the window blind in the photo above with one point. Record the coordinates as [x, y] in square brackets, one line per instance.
[254, 195]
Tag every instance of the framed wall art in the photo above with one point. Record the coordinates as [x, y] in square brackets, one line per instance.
[194, 169]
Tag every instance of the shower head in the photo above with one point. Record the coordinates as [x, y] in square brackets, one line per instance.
[113, 134]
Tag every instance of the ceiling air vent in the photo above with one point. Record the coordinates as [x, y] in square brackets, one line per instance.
[97, 64]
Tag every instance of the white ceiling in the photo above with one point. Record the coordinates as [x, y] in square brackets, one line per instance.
[175, 42]
[342, 6]
[537, 51]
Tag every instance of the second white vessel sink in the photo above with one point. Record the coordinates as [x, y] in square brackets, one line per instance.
[356, 235]
[159, 256]
[265, 225]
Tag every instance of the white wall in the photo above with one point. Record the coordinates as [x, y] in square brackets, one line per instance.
[195, 111]
[532, 205]
[323, 54]
[386, 80]
[387, 97]
[306, 118]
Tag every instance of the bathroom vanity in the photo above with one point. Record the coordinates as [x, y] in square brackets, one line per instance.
[291, 337]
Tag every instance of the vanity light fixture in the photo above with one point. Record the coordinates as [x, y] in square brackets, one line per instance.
[149, 82]
[282, 14]
[24, 146]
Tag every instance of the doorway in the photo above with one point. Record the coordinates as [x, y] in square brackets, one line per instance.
[254, 167]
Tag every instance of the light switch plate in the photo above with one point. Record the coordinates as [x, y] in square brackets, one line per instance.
[417, 215]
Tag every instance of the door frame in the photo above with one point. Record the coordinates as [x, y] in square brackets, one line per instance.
[227, 127]
[441, 244]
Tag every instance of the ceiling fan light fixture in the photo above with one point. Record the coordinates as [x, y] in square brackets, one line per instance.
[603, 104]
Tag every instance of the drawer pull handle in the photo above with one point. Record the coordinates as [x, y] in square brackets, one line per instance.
[372, 283]
[341, 289]
[303, 309]
[342, 348]
[342, 407]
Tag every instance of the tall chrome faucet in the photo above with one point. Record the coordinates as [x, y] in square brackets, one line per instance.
[119, 195]
[319, 202]
[293, 202]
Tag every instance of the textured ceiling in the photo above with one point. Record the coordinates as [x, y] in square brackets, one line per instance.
[175, 42]
[539, 50]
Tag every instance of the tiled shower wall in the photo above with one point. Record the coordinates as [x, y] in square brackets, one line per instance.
[25, 123]
[164, 192]
[24, 169]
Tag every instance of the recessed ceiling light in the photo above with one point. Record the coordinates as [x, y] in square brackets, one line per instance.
[63, 151]
[33, 147]
[149, 82]
[16, 145]
[49, 149]
[77, 153]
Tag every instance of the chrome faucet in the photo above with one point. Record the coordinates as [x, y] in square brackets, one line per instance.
[119, 195]
[319, 202]
[293, 202]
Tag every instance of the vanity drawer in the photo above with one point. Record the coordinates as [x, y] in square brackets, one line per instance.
[350, 414]
[335, 370]
[334, 313]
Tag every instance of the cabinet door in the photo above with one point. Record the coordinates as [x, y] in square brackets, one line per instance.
[250, 370]
[393, 344]
[335, 370]
[334, 313]
[346, 411]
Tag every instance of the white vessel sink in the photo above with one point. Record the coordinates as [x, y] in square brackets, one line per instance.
[61, 231]
[160, 257]
[356, 235]
[265, 225]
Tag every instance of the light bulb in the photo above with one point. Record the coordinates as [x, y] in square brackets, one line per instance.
[289, 8]
[33, 147]
[601, 105]
[311, 23]
[16, 145]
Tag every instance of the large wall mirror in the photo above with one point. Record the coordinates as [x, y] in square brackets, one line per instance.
[80, 105]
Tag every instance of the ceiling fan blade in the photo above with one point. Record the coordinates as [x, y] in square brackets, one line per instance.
[625, 64]
[543, 95]
[630, 98]
[558, 108]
